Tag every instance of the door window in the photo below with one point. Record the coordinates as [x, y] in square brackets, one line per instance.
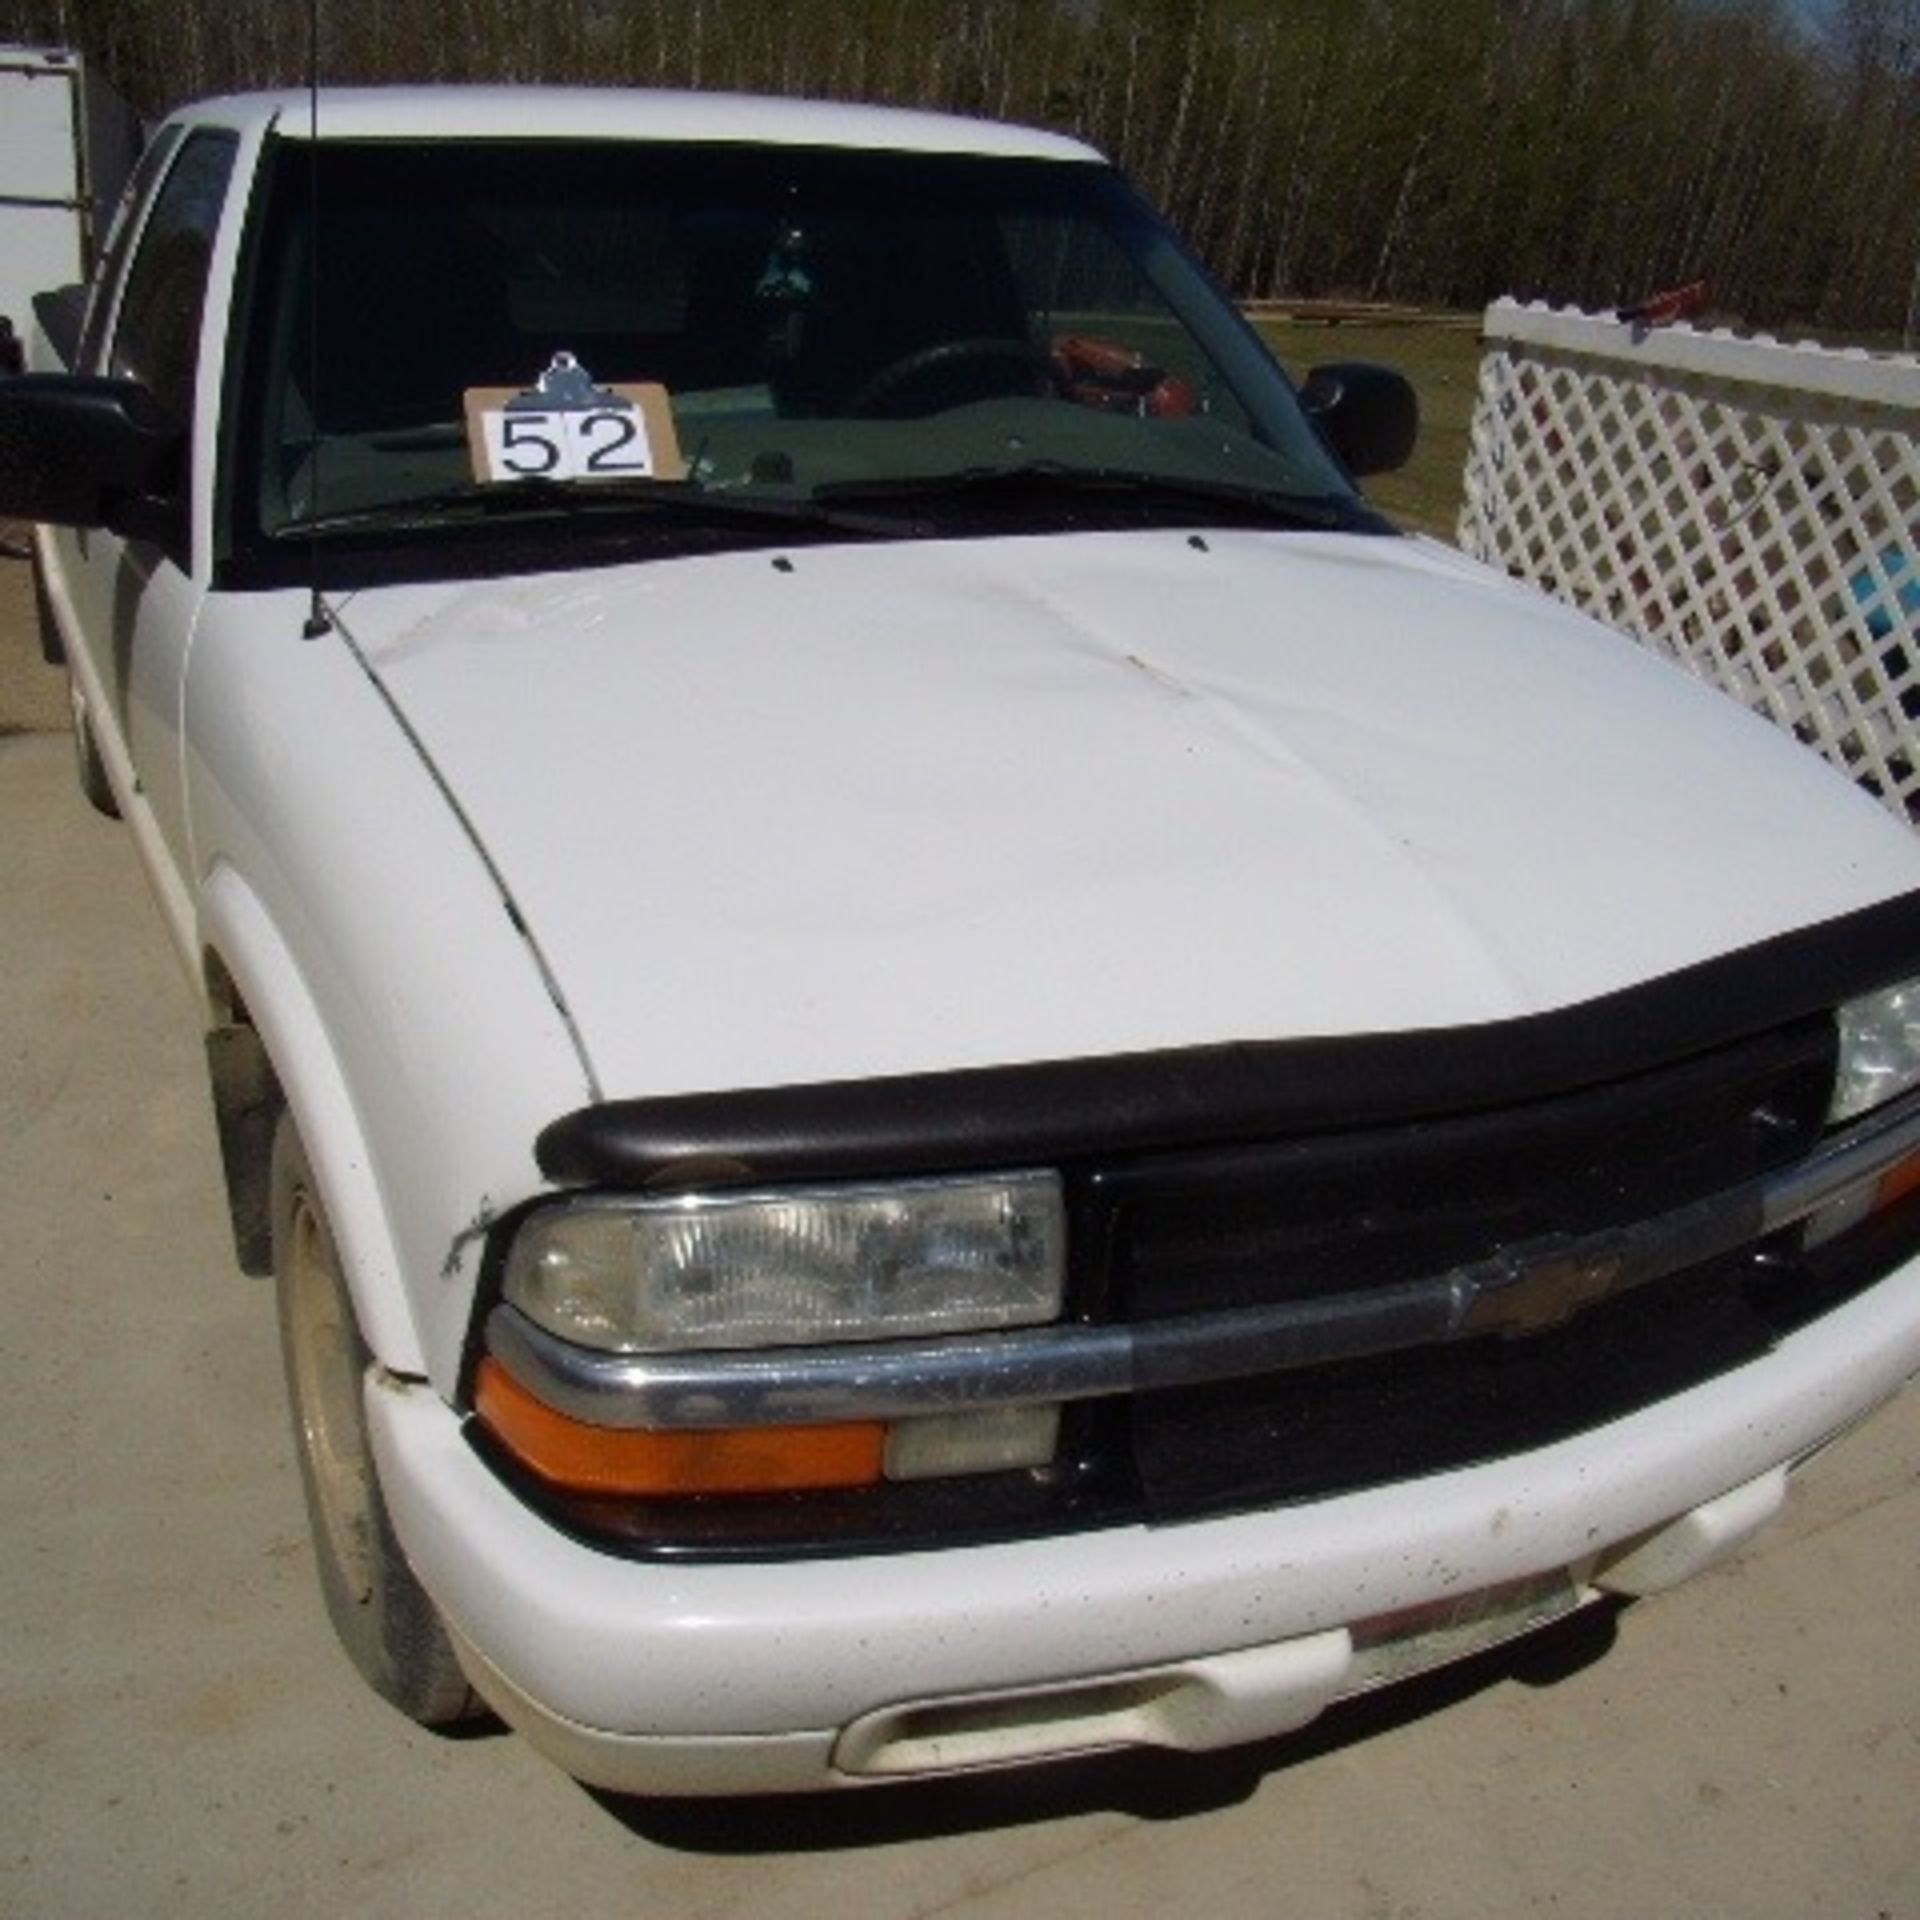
[113, 262]
[156, 339]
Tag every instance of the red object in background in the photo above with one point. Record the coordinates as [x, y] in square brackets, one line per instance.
[1662, 309]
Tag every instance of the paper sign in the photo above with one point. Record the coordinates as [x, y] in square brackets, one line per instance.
[627, 434]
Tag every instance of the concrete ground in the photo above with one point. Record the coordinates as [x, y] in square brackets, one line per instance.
[179, 1736]
[32, 697]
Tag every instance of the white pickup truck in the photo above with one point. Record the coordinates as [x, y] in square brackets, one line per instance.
[941, 1062]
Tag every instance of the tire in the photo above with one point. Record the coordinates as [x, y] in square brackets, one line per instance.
[388, 1625]
[91, 769]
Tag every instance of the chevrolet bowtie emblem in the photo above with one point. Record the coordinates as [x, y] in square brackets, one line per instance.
[1544, 1289]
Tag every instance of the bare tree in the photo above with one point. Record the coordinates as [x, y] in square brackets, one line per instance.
[1430, 150]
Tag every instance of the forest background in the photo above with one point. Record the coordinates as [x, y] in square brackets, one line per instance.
[1437, 152]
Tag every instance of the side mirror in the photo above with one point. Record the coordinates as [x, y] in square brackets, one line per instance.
[85, 452]
[1369, 415]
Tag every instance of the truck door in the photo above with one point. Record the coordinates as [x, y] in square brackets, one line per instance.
[136, 599]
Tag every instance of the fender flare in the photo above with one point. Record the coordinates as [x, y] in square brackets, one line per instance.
[238, 929]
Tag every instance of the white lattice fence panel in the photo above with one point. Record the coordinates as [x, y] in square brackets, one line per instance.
[1749, 508]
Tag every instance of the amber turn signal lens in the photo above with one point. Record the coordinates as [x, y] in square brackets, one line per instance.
[619, 1460]
[1899, 1180]
[1852, 1209]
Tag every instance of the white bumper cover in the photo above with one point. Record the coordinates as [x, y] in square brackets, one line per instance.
[665, 1677]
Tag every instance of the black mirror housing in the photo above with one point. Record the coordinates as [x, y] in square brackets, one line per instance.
[79, 451]
[1369, 415]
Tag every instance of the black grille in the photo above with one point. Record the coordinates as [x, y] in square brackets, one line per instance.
[1366, 1422]
[1295, 1219]
[1347, 1213]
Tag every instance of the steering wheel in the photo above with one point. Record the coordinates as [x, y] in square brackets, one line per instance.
[964, 362]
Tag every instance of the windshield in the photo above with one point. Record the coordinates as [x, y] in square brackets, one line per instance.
[790, 326]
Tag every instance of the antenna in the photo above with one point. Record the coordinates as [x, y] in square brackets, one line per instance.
[319, 619]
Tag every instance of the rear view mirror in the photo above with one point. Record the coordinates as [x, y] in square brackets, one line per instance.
[1369, 415]
[84, 452]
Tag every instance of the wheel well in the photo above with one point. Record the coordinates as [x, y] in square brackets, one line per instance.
[247, 1102]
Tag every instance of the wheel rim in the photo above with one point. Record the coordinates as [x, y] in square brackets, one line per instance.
[329, 1377]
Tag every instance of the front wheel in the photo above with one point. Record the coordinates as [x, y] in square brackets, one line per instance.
[385, 1619]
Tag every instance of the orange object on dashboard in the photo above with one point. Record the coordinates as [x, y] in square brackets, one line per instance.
[1116, 379]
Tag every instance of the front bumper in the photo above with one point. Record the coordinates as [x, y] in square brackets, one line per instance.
[662, 1677]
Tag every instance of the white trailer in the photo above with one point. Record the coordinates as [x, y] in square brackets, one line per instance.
[67, 142]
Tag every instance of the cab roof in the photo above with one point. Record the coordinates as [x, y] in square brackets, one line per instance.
[610, 113]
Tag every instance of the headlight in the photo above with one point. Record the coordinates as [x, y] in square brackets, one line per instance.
[1879, 1049]
[793, 1268]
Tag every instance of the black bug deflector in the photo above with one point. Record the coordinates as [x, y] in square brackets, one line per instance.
[1075, 1111]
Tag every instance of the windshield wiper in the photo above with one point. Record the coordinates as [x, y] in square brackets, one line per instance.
[534, 495]
[1040, 479]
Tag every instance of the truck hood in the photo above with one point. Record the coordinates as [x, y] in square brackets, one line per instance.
[893, 808]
